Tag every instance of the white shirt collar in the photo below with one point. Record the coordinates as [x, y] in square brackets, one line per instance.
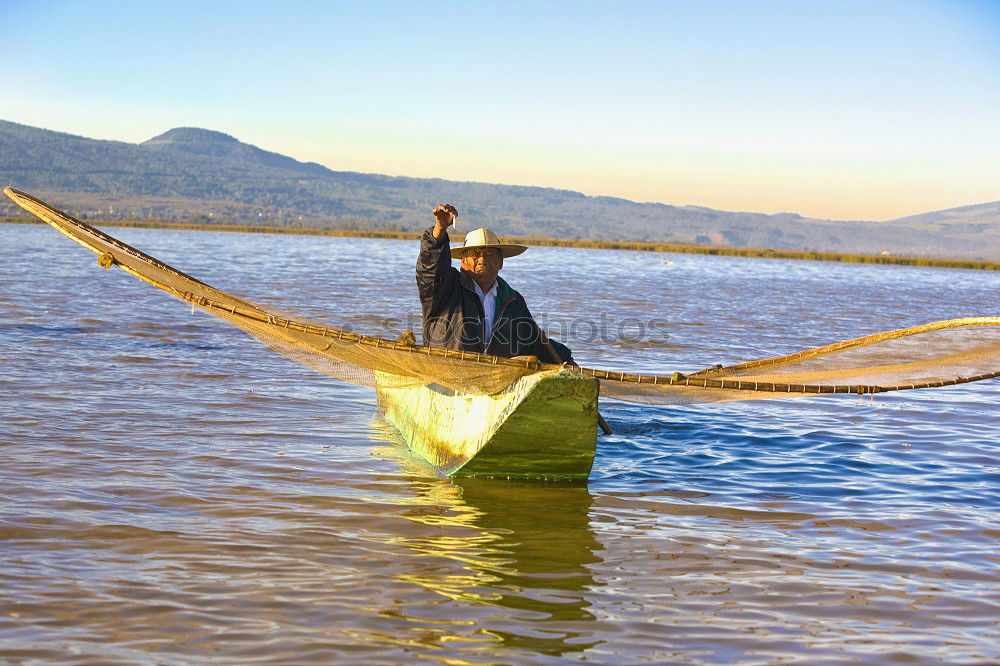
[482, 294]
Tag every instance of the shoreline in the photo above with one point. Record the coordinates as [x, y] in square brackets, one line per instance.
[631, 246]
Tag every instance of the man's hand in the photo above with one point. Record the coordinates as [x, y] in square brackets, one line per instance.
[444, 217]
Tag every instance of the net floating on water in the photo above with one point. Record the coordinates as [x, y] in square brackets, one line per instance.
[943, 353]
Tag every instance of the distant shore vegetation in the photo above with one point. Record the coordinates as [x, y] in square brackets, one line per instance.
[632, 246]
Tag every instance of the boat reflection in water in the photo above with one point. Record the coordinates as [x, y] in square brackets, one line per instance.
[513, 559]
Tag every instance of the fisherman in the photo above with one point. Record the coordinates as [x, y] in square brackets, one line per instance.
[473, 309]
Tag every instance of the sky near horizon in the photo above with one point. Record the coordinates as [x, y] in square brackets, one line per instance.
[850, 110]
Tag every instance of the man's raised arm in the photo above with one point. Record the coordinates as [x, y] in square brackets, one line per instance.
[435, 275]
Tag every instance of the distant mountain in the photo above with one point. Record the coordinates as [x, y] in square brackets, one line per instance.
[979, 217]
[187, 141]
[192, 174]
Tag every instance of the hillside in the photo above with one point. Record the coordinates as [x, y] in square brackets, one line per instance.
[191, 174]
[977, 218]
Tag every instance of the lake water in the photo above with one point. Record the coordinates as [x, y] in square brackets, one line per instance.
[171, 491]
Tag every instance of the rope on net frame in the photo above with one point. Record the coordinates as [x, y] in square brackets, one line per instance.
[261, 322]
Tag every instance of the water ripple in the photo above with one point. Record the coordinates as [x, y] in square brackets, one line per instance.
[173, 492]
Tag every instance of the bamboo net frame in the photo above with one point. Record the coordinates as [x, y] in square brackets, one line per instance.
[955, 359]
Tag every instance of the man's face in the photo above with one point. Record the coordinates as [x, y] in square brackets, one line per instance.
[484, 264]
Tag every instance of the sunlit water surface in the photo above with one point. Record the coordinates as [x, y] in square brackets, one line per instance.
[174, 492]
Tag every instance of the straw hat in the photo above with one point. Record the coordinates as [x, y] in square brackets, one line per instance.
[486, 238]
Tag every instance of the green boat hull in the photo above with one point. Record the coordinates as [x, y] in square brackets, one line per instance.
[543, 426]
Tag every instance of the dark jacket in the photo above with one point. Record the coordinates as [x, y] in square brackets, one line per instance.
[453, 313]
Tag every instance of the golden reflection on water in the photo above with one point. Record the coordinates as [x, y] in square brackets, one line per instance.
[521, 546]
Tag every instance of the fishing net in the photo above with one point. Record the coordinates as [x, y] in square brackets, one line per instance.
[938, 354]
[943, 353]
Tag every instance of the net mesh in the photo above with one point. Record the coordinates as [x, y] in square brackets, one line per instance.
[939, 354]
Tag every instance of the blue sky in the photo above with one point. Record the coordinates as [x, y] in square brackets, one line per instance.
[867, 110]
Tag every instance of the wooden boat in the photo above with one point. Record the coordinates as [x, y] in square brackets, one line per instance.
[544, 425]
